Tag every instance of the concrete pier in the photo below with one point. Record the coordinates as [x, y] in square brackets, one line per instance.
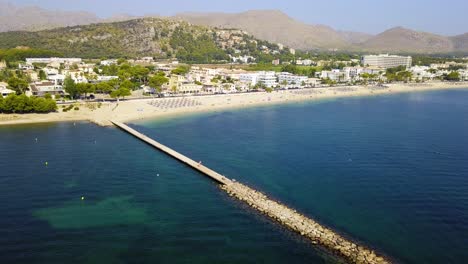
[306, 227]
[195, 165]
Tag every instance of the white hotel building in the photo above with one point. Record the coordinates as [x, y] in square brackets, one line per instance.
[290, 78]
[386, 61]
[266, 78]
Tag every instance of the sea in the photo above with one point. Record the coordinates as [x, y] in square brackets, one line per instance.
[390, 172]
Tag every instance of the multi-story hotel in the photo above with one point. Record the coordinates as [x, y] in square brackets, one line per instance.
[386, 61]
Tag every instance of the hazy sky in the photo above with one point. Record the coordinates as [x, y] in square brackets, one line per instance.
[448, 17]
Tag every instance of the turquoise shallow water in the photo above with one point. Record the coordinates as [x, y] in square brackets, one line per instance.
[389, 171]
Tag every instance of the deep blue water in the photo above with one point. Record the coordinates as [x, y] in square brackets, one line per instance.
[389, 171]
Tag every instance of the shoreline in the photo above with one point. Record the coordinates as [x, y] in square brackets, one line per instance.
[153, 108]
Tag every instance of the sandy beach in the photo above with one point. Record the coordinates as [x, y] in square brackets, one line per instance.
[133, 110]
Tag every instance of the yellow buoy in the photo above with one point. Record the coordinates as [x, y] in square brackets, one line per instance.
[46, 163]
[82, 198]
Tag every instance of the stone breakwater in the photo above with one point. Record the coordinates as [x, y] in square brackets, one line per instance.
[279, 212]
[303, 225]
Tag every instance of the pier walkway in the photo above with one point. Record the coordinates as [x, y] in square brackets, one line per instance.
[196, 165]
[289, 218]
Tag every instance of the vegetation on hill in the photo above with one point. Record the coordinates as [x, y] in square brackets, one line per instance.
[159, 38]
[196, 49]
[23, 104]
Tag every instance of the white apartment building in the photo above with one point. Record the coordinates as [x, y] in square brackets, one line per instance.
[386, 61]
[267, 78]
[51, 60]
[41, 88]
[422, 72]
[57, 79]
[334, 75]
[249, 78]
[290, 78]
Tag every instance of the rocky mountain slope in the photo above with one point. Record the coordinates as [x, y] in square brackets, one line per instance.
[162, 38]
[269, 25]
[14, 17]
[276, 26]
[273, 26]
[405, 40]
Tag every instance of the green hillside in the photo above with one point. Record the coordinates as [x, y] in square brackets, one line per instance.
[160, 38]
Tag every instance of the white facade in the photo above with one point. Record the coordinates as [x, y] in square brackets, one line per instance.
[249, 78]
[334, 75]
[422, 72]
[108, 62]
[4, 91]
[386, 61]
[41, 88]
[106, 78]
[56, 78]
[25, 67]
[267, 78]
[242, 59]
[189, 88]
[291, 78]
[50, 60]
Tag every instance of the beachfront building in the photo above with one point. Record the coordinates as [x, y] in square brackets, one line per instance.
[249, 78]
[42, 88]
[189, 88]
[334, 75]
[291, 79]
[386, 61]
[267, 79]
[422, 73]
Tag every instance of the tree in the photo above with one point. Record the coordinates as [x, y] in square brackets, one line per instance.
[23, 104]
[158, 80]
[104, 87]
[2, 104]
[70, 87]
[121, 92]
[19, 85]
[453, 76]
[181, 70]
[42, 75]
[85, 88]
[139, 73]
[127, 85]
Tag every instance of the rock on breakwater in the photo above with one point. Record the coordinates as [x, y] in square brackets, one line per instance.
[303, 225]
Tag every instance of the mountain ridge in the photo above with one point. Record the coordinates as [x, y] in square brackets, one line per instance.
[269, 25]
